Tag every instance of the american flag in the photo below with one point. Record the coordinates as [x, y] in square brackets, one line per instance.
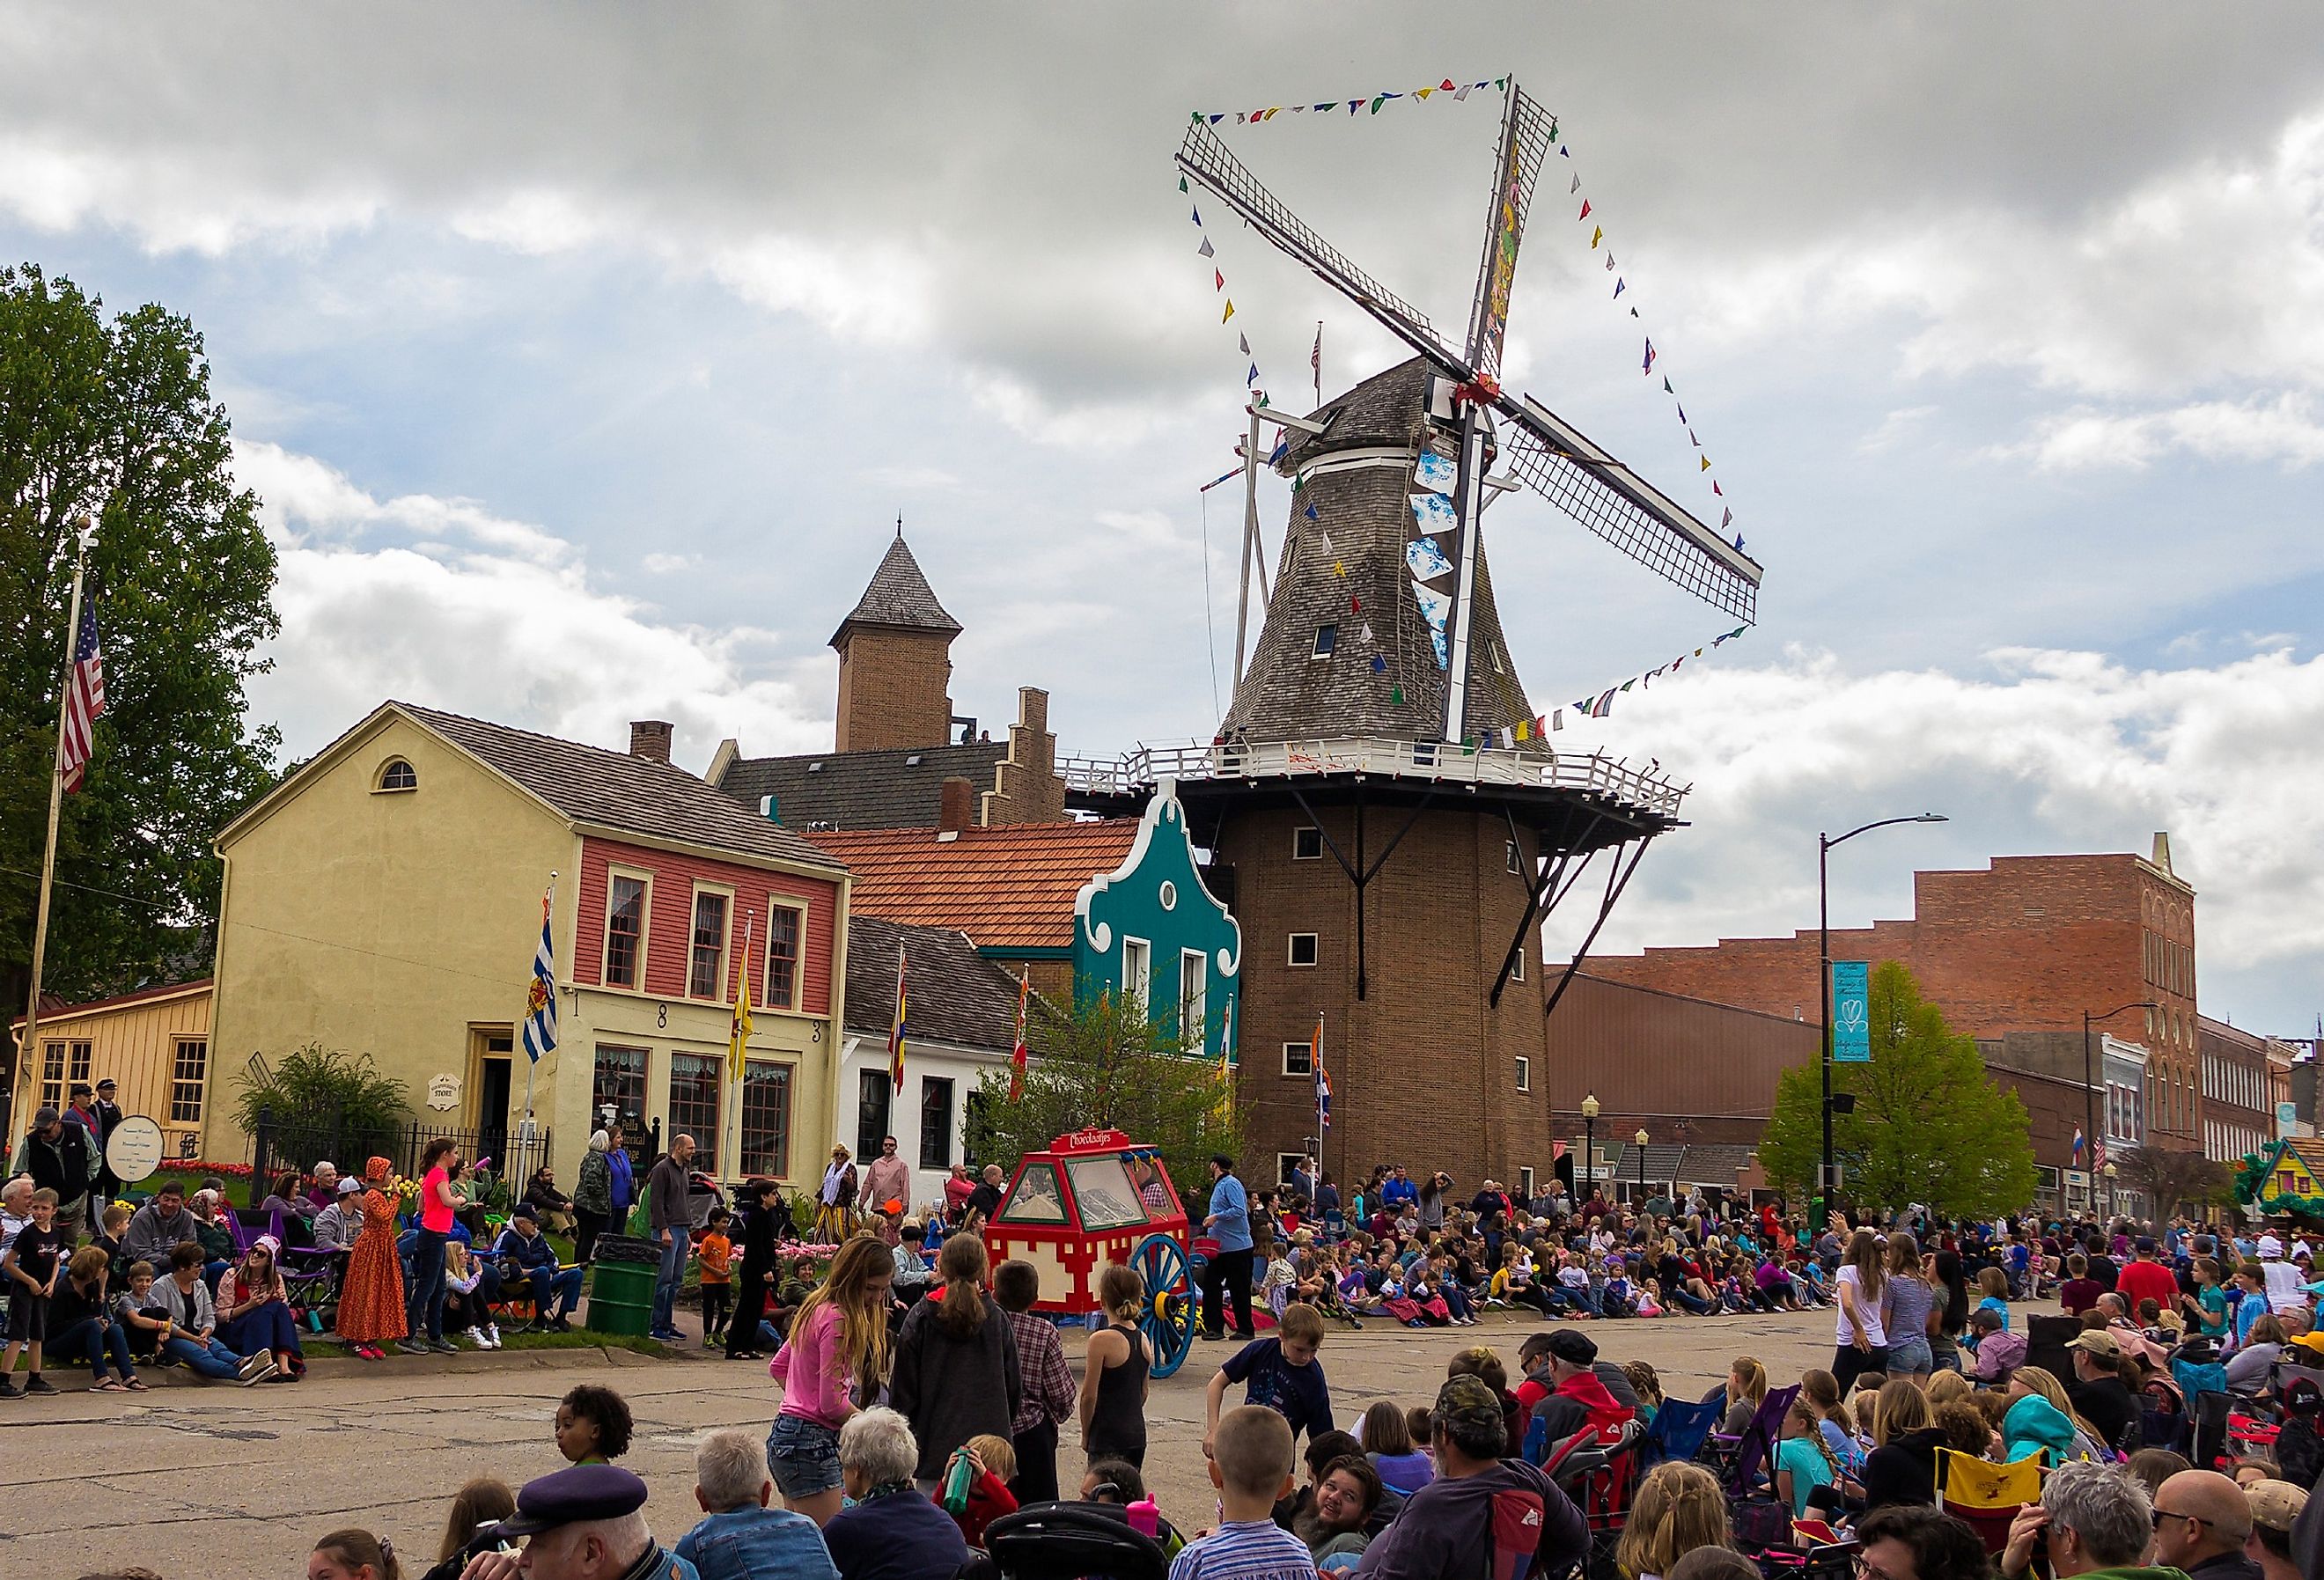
[84, 701]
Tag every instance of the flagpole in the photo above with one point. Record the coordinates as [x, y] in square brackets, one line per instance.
[532, 1063]
[25, 1045]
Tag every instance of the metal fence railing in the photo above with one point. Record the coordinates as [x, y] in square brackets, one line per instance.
[280, 1146]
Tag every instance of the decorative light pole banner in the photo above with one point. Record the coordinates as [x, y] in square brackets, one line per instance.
[1852, 1011]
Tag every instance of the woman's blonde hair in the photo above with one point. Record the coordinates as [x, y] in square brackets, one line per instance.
[1804, 1414]
[1993, 1282]
[1644, 1383]
[1947, 1386]
[862, 1323]
[1900, 1408]
[1677, 1508]
[962, 1262]
[1753, 1376]
[1820, 1388]
[1120, 1292]
[2042, 1381]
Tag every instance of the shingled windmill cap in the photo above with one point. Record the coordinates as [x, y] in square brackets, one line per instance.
[899, 597]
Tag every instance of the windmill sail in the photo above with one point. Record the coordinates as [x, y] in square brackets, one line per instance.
[1526, 134]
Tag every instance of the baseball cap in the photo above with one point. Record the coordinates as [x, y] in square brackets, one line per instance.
[2096, 1343]
[1575, 1349]
[567, 1496]
[349, 1185]
[523, 1209]
[2275, 1504]
[1465, 1402]
[45, 1118]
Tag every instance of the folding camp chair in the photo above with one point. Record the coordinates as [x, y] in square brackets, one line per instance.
[1985, 1496]
[2210, 1430]
[1751, 1451]
[1680, 1430]
[2162, 1414]
[2047, 1341]
[1599, 1480]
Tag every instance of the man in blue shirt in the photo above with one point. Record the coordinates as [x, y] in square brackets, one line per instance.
[1398, 1189]
[1228, 1272]
[740, 1537]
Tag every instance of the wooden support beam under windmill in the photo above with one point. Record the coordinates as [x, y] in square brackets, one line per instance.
[1357, 873]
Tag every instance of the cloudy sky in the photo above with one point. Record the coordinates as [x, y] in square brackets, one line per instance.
[585, 355]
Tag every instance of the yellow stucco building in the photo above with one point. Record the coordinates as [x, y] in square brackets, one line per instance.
[386, 899]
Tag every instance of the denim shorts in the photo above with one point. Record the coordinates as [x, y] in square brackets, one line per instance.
[1910, 1357]
[803, 1457]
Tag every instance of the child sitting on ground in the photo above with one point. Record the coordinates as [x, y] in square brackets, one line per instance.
[992, 1466]
[1250, 1462]
[592, 1425]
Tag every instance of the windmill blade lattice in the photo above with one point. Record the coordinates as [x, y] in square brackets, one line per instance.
[1528, 132]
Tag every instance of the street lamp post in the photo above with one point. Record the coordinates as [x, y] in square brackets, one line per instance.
[2089, 1080]
[1824, 843]
[1641, 1138]
[1590, 1142]
[2109, 1196]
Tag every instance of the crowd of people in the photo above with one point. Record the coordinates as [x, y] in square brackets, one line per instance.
[923, 1401]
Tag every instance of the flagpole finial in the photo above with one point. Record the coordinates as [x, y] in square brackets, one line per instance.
[899, 525]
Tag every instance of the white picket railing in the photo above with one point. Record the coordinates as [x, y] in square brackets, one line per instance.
[1147, 766]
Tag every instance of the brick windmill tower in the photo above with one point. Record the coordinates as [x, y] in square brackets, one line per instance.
[1390, 827]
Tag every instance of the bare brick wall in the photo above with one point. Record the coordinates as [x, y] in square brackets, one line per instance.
[2026, 944]
[894, 688]
[1025, 786]
[1423, 1071]
[1655, 1059]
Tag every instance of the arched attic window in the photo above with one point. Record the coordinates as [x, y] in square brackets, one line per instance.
[396, 774]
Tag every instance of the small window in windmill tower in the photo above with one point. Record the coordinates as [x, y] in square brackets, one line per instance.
[1302, 949]
[1512, 854]
[1307, 844]
[1327, 637]
[398, 775]
[1525, 1072]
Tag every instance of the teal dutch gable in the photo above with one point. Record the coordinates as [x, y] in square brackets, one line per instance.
[1154, 918]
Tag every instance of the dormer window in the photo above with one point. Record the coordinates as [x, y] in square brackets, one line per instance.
[396, 774]
[1327, 638]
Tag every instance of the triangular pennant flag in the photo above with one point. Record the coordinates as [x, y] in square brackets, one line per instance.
[1258, 114]
[1597, 235]
[1715, 488]
[1332, 105]
[1649, 364]
[1218, 281]
[1570, 190]
[1368, 631]
[1698, 653]
[1422, 92]
[1610, 262]
[1354, 105]
[1583, 707]
[1619, 286]
[1298, 109]
[1272, 112]
[1553, 128]
[1692, 440]
[1181, 181]
[1629, 683]
[1564, 153]
[1503, 83]
[1395, 695]
[1585, 209]
[1557, 718]
[1230, 312]
[1244, 341]
[1461, 92]
[1634, 312]
[1340, 567]
[1706, 465]
[1380, 665]
[1217, 118]
[1198, 215]
[1252, 376]
[1378, 101]
[1667, 390]
[1206, 250]
[1445, 85]
[1310, 513]
[1675, 662]
[1241, 117]
[1682, 416]
[1355, 606]
[1727, 520]
[1327, 548]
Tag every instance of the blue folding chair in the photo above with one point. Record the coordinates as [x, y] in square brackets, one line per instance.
[1679, 1430]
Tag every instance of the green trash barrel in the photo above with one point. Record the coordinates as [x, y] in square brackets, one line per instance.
[620, 1297]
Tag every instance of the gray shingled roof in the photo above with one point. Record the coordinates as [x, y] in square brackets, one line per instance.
[899, 595]
[1365, 516]
[590, 784]
[898, 789]
[956, 995]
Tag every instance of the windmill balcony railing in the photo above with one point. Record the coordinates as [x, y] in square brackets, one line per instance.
[1149, 765]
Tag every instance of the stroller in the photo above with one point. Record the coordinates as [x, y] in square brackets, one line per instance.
[1067, 1541]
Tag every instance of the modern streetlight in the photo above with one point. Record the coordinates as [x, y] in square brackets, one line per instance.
[1824, 842]
[1590, 1142]
[1641, 1138]
[2090, 1080]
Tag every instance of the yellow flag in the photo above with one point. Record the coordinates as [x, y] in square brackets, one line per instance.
[1230, 312]
[1597, 235]
[738, 1036]
[1706, 465]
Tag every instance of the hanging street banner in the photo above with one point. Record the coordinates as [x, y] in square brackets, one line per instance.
[1852, 1011]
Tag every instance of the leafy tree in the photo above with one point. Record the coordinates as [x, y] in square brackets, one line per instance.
[1107, 1063]
[318, 1098]
[113, 417]
[2170, 1181]
[1930, 1124]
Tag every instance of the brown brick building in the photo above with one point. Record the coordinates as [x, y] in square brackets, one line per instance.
[2026, 943]
[2245, 1076]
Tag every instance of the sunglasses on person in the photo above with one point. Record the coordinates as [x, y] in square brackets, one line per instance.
[2163, 1514]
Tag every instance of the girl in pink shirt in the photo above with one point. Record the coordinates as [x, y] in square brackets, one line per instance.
[838, 1343]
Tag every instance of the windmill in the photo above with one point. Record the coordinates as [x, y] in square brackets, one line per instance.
[1390, 875]
[1467, 407]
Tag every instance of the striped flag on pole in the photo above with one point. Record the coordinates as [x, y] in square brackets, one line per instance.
[738, 1032]
[896, 1033]
[1016, 1055]
[84, 701]
[540, 996]
[1323, 1086]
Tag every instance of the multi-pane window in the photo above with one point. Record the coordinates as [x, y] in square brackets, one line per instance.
[1525, 1072]
[188, 1073]
[1298, 1058]
[52, 1075]
[618, 1081]
[705, 976]
[1193, 991]
[625, 930]
[1136, 972]
[695, 1082]
[766, 1118]
[76, 1062]
[783, 957]
[1307, 844]
[936, 1123]
[872, 1096]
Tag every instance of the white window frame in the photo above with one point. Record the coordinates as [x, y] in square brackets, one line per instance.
[1306, 1051]
[1512, 855]
[379, 785]
[1525, 1073]
[1193, 1029]
[1286, 1164]
[1524, 1182]
[1138, 984]
[725, 891]
[1297, 835]
[645, 929]
[1517, 972]
[1291, 951]
[1324, 646]
[799, 909]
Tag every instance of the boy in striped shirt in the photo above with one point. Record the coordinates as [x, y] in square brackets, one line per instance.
[1250, 1466]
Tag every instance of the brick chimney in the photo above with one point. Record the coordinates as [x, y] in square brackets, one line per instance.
[649, 739]
[955, 805]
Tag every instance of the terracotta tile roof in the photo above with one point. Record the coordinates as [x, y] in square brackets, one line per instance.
[1007, 887]
[899, 595]
[892, 789]
[957, 995]
[615, 789]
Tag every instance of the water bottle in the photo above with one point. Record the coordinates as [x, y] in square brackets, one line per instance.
[1144, 1518]
[959, 1476]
